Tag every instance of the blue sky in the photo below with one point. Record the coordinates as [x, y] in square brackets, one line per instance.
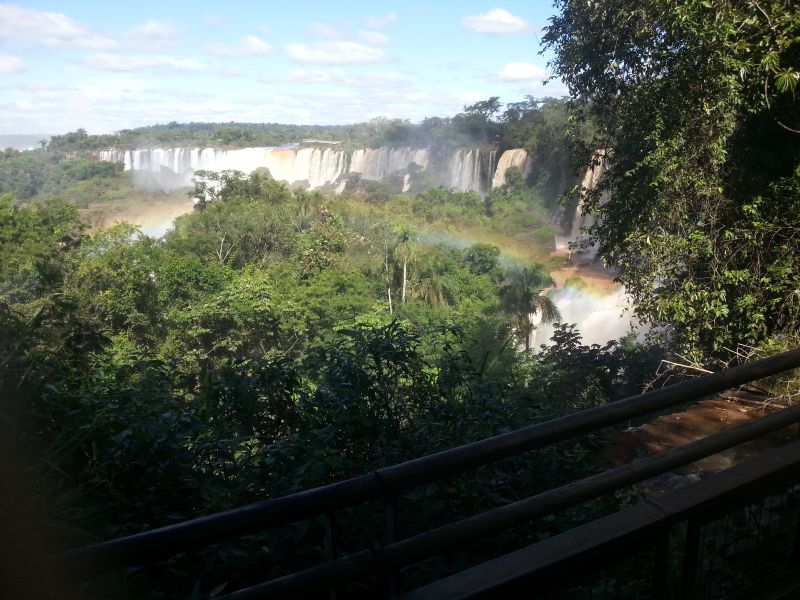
[112, 65]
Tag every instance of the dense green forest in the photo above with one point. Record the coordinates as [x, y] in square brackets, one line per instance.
[29, 174]
[273, 341]
[702, 130]
[279, 339]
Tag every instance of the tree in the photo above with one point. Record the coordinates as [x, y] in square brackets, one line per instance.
[695, 103]
[242, 219]
[481, 259]
[477, 123]
[485, 108]
[404, 251]
[35, 247]
[523, 299]
[114, 282]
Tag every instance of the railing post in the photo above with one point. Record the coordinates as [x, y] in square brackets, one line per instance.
[661, 565]
[691, 554]
[392, 576]
[329, 522]
[796, 549]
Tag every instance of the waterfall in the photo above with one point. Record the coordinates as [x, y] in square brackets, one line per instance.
[600, 307]
[466, 169]
[510, 158]
[471, 169]
[577, 237]
[171, 168]
[406, 182]
[376, 163]
[601, 316]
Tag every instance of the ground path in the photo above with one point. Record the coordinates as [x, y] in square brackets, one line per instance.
[698, 421]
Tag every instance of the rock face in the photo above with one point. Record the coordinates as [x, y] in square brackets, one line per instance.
[466, 169]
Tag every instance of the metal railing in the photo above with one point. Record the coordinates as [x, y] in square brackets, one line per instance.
[390, 482]
[763, 495]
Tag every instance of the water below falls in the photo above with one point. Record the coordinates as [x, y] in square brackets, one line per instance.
[600, 316]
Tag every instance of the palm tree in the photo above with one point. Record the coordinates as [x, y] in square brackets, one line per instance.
[434, 290]
[404, 251]
[523, 298]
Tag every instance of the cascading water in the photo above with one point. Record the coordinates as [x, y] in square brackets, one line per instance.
[578, 242]
[510, 158]
[471, 169]
[600, 308]
[376, 163]
[171, 168]
[466, 169]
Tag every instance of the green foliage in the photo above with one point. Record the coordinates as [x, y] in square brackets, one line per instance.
[252, 353]
[695, 108]
[38, 173]
[542, 127]
[114, 281]
[482, 259]
[236, 231]
[36, 244]
[523, 298]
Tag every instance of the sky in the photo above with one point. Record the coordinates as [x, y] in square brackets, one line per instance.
[106, 66]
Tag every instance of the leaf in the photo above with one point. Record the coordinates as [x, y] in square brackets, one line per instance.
[770, 61]
[786, 80]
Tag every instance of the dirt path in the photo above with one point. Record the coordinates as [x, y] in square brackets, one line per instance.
[698, 421]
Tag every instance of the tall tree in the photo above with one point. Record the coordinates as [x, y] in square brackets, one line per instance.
[696, 104]
[404, 251]
[524, 300]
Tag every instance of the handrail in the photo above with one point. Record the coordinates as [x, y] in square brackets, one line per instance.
[738, 484]
[166, 541]
[430, 543]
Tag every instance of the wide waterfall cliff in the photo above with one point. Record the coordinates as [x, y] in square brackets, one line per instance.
[169, 168]
[464, 169]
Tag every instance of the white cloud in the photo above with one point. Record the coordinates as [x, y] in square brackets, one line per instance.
[306, 76]
[532, 79]
[380, 21]
[265, 29]
[334, 53]
[152, 33]
[325, 31]
[497, 21]
[381, 79]
[118, 62]
[10, 65]
[115, 88]
[373, 38]
[49, 29]
[248, 46]
[522, 71]
[111, 101]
